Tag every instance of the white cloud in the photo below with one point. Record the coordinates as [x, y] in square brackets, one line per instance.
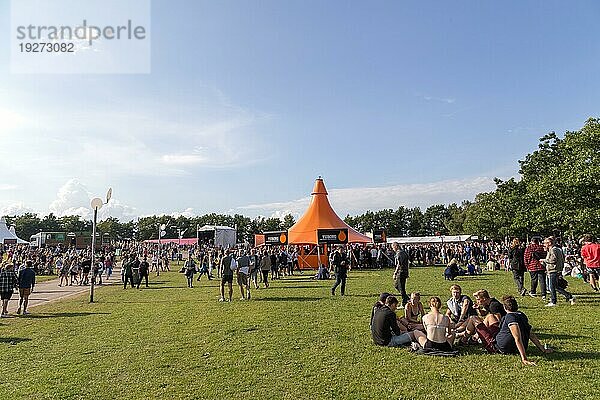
[10, 120]
[188, 213]
[73, 198]
[15, 209]
[358, 200]
[182, 159]
[447, 100]
[152, 139]
[7, 187]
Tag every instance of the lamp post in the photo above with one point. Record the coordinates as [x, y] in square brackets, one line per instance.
[96, 205]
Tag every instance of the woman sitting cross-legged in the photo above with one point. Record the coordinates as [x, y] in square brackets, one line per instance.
[438, 327]
[412, 311]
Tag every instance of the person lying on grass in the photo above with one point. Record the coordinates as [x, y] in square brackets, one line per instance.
[439, 329]
[385, 330]
[515, 332]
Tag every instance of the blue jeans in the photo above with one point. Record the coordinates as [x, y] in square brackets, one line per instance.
[553, 287]
[399, 340]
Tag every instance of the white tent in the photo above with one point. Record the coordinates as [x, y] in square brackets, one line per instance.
[224, 236]
[8, 236]
[430, 239]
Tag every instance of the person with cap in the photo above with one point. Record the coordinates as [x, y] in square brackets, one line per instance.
[8, 281]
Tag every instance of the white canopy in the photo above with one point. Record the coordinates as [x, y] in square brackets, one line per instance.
[430, 239]
[8, 235]
[225, 236]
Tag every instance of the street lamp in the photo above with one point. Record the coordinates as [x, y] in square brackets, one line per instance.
[96, 205]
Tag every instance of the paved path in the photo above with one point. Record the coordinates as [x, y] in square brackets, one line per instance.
[49, 291]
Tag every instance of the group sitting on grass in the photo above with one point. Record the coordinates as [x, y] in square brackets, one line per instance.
[498, 326]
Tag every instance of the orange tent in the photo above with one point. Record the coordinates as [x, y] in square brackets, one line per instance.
[320, 215]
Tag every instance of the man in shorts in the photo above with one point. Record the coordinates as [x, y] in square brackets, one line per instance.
[8, 281]
[26, 283]
[228, 265]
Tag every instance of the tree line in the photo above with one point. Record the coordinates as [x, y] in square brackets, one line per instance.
[557, 193]
[145, 228]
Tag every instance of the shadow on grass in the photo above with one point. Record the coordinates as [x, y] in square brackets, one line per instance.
[64, 315]
[543, 336]
[294, 287]
[13, 340]
[162, 287]
[291, 298]
[298, 279]
[573, 355]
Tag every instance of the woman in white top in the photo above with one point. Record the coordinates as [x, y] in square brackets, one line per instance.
[438, 327]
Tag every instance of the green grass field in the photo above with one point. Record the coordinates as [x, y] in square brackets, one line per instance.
[292, 341]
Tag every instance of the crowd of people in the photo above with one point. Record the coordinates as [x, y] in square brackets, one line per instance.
[498, 326]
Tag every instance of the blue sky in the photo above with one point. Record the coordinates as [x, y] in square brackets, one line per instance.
[392, 102]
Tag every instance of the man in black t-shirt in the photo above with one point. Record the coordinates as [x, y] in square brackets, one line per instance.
[385, 330]
[144, 272]
[341, 265]
[515, 332]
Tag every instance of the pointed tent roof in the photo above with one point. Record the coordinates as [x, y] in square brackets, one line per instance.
[9, 234]
[320, 215]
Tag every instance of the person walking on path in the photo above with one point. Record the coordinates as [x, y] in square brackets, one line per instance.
[26, 283]
[401, 272]
[340, 266]
[8, 281]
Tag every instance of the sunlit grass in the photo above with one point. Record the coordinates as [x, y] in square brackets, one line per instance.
[292, 340]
